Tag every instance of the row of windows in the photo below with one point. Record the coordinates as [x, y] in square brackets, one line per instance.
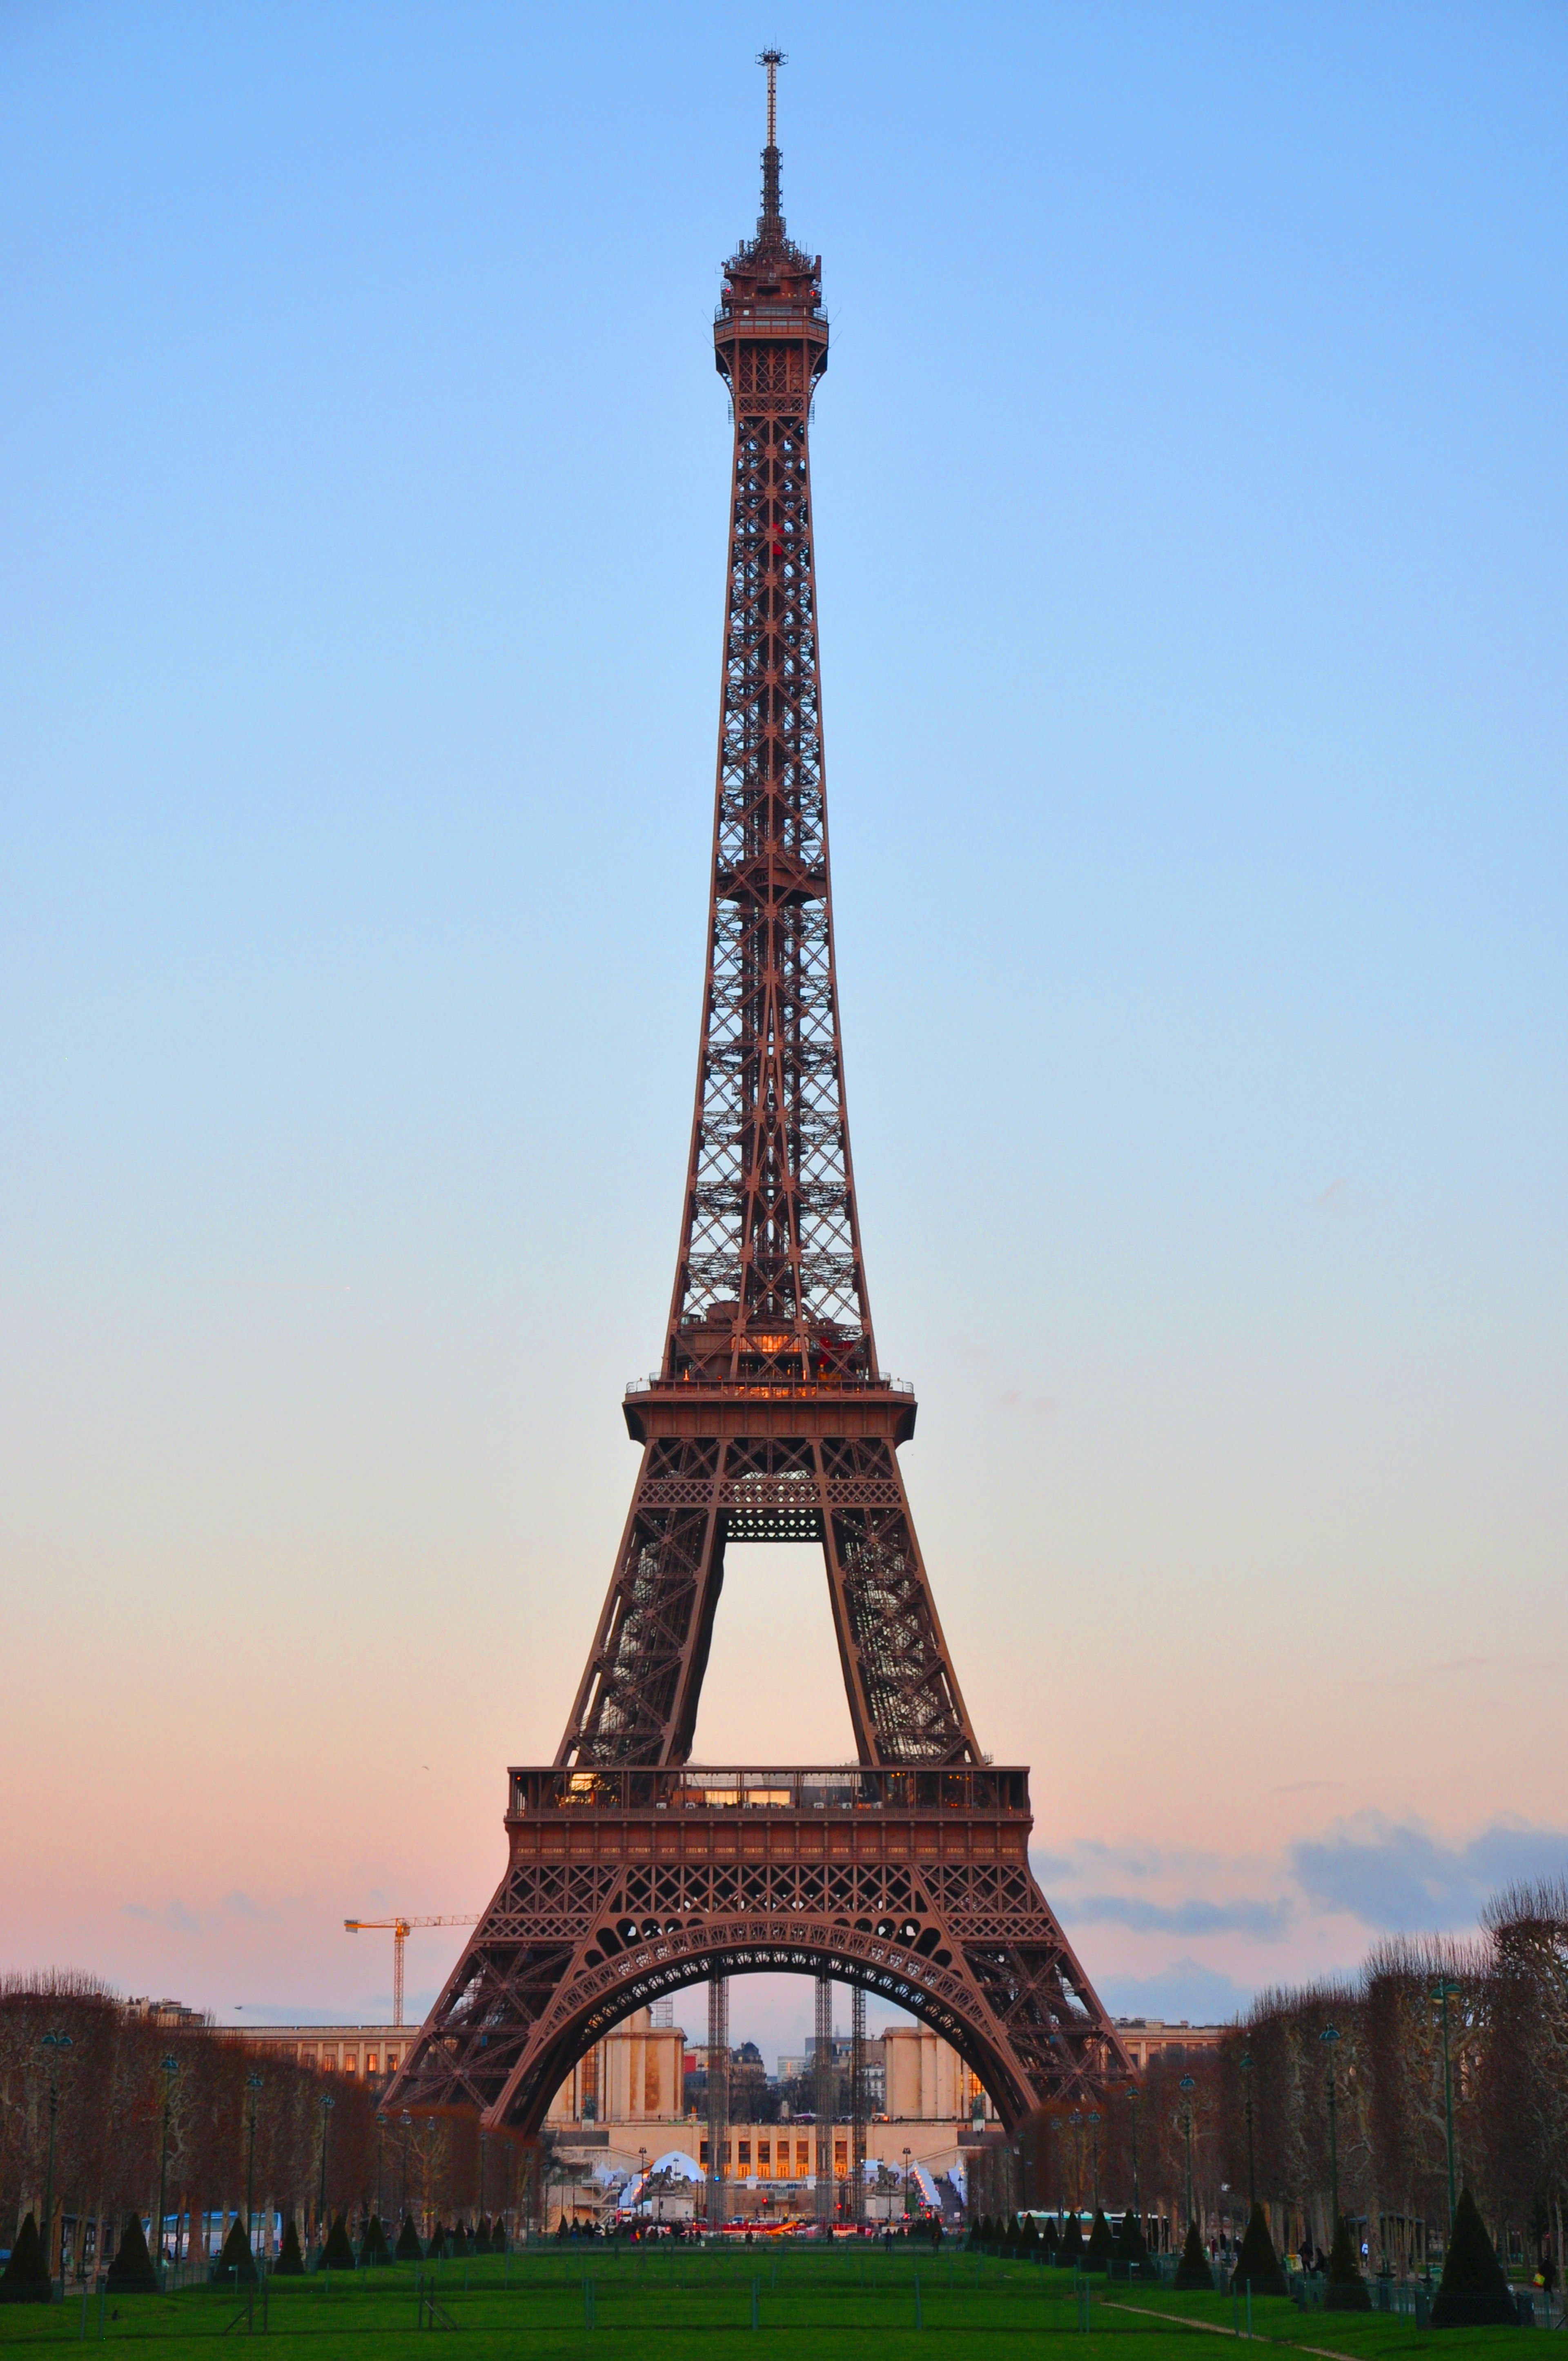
[774, 2158]
[329, 2065]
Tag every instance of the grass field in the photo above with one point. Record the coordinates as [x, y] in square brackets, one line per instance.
[666, 2304]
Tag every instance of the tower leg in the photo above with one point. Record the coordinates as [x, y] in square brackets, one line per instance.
[718, 2098]
[856, 2105]
[823, 2094]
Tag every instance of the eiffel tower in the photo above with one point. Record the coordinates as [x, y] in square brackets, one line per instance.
[633, 1871]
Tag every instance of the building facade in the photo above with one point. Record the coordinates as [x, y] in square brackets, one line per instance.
[1148, 2037]
[370, 2053]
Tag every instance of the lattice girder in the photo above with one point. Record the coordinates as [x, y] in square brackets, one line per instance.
[769, 1420]
[942, 1918]
[696, 1493]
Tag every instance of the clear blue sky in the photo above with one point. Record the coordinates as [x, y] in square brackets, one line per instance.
[1192, 513]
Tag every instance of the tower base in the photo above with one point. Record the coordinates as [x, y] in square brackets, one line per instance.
[625, 1884]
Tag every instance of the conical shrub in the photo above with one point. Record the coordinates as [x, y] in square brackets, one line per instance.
[1192, 2271]
[290, 2262]
[1131, 2247]
[462, 2245]
[498, 2236]
[440, 2244]
[1346, 2289]
[131, 2272]
[1258, 2265]
[1098, 2252]
[482, 2235]
[25, 2278]
[236, 2265]
[410, 2247]
[1049, 2240]
[1473, 2291]
[1070, 2251]
[337, 2255]
[373, 2245]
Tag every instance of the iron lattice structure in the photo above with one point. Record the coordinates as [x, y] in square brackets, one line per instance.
[632, 1873]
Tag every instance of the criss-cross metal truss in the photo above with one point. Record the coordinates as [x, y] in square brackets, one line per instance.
[768, 1419]
[769, 1281]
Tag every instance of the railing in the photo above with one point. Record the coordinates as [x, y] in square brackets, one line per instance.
[833, 1788]
[657, 1382]
[769, 317]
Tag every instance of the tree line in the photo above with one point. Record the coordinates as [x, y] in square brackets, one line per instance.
[1381, 2037]
[101, 2105]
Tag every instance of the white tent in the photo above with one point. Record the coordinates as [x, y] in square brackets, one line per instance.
[675, 2160]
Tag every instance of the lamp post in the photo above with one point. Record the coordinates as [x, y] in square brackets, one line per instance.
[55, 2043]
[1186, 2086]
[1328, 2035]
[170, 2067]
[1133, 2100]
[1251, 2166]
[906, 2188]
[1443, 1991]
[1094, 2132]
[380, 2135]
[405, 2124]
[253, 2084]
[328, 2102]
[483, 2138]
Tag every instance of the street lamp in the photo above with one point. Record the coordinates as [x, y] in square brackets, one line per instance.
[1328, 2035]
[1251, 2166]
[1444, 1990]
[380, 2135]
[170, 2067]
[1132, 2102]
[55, 2043]
[328, 2102]
[405, 2122]
[253, 2084]
[907, 2188]
[484, 2138]
[1094, 2130]
[1186, 2086]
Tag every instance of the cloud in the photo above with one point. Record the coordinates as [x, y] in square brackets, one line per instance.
[1192, 1915]
[240, 1906]
[176, 1919]
[173, 1916]
[1186, 1988]
[1103, 1859]
[1307, 1787]
[1032, 1405]
[1403, 1879]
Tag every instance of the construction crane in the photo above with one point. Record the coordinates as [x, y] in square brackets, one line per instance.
[399, 1929]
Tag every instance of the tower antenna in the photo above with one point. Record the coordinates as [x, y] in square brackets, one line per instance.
[773, 60]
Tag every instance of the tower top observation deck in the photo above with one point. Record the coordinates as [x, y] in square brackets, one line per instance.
[772, 289]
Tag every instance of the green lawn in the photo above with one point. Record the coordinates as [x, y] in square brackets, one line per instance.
[665, 2303]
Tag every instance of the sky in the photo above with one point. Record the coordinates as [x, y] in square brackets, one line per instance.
[1192, 529]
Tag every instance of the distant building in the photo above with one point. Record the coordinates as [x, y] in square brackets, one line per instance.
[605, 2120]
[1147, 2037]
[370, 2052]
